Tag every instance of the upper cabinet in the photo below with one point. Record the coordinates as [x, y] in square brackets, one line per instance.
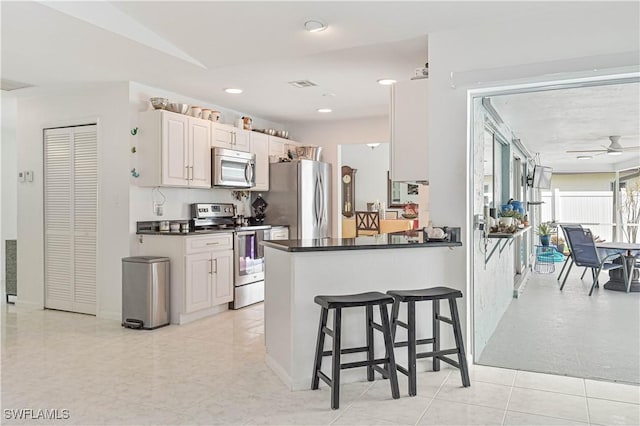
[173, 150]
[409, 131]
[227, 136]
[260, 147]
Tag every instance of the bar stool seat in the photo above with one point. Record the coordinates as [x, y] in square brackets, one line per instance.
[337, 303]
[435, 294]
[424, 294]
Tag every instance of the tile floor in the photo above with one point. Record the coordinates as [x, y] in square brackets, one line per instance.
[212, 372]
[569, 333]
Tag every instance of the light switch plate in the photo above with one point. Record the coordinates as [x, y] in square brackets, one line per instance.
[20, 176]
[28, 175]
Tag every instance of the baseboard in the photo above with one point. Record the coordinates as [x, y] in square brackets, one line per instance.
[110, 315]
[280, 372]
[25, 304]
[187, 318]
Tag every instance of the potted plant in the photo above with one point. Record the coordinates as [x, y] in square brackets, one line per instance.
[507, 217]
[544, 230]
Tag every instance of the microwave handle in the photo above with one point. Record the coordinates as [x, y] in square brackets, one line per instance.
[248, 172]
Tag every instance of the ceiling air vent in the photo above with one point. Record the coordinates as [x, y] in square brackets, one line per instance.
[301, 84]
[12, 85]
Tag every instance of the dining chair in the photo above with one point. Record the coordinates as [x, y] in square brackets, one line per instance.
[367, 223]
[584, 252]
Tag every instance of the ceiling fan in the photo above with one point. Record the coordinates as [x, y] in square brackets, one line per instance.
[614, 148]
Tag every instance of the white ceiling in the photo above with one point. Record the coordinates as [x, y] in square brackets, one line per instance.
[200, 48]
[553, 122]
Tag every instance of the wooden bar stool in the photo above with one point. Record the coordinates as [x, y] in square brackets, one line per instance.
[368, 300]
[434, 294]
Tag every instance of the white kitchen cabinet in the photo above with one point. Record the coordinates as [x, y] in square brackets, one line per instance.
[280, 233]
[173, 150]
[230, 137]
[409, 149]
[276, 148]
[260, 147]
[201, 272]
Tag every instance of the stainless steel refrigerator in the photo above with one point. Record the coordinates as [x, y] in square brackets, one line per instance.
[300, 196]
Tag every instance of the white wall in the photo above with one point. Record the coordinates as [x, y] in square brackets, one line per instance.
[583, 181]
[371, 177]
[8, 179]
[107, 105]
[525, 48]
[330, 135]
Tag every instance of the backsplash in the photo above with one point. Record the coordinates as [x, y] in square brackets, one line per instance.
[176, 202]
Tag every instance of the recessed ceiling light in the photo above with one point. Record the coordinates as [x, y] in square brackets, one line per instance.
[584, 157]
[315, 26]
[324, 110]
[614, 152]
[331, 95]
[373, 145]
[386, 81]
[233, 91]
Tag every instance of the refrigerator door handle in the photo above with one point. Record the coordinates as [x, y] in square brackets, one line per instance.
[317, 201]
[321, 199]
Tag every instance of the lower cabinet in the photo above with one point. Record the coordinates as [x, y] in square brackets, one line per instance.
[201, 272]
[208, 280]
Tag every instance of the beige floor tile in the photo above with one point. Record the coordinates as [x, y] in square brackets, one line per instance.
[613, 391]
[550, 382]
[479, 393]
[603, 412]
[523, 419]
[442, 412]
[405, 411]
[551, 404]
[499, 376]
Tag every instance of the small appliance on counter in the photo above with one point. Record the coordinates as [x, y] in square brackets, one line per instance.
[259, 208]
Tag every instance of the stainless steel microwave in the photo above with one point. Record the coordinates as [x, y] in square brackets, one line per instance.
[233, 169]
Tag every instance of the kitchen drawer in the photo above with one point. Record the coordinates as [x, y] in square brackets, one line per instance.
[209, 243]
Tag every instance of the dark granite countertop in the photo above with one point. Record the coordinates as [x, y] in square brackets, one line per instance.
[411, 239]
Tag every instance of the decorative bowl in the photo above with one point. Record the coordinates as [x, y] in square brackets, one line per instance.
[409, 215]
[159, 103]
[179, 108]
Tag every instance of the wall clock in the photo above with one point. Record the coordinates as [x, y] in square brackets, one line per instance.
[348, 190]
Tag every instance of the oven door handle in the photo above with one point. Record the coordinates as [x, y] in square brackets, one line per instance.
[245, 233]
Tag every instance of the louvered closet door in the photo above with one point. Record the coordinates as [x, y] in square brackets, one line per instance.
[71, 186]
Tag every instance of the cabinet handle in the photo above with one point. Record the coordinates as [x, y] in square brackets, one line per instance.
[234, 138]
[191, 167]
[210, 266]
[187, 167]
[214, 265]
[213, 244]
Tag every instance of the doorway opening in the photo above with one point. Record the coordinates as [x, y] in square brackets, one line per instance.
[520, 317]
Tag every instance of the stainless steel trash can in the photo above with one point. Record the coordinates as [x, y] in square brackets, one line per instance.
[145, 292]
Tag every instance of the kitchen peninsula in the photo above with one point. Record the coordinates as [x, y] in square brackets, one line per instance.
[298, 270]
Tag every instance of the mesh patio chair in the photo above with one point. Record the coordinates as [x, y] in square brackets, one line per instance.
[585, 254]
[569, 260]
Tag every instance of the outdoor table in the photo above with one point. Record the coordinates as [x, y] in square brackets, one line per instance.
[616, 278]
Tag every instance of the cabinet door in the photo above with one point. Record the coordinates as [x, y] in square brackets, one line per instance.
[175, 134]
[409, 131]
[242, 140]
[198, 278]
[260, 147]
[276, 147]
[222, 136]
[199, 153]
[222, 278]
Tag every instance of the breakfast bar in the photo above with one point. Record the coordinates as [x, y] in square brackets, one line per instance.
[298, 270]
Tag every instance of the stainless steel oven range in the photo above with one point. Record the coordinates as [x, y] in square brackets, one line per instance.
[247, 252]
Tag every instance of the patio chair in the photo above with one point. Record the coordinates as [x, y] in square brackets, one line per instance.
[585, 254]
[569, 260]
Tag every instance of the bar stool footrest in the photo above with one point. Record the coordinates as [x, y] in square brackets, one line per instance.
[356, 364]
[402, 370]
[449, 361]
[418, 342]
[444, 319]
[437, 354]
[347, 351]
[324, 378]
